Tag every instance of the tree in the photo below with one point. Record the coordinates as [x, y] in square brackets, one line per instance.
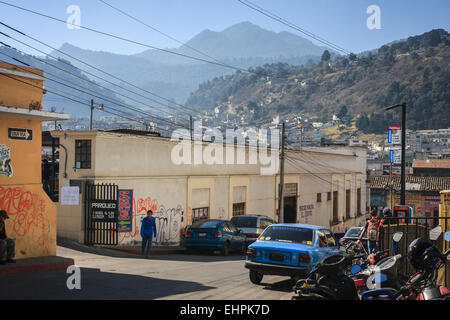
[326, 56]
[342, 112]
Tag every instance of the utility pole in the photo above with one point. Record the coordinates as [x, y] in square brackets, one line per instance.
[92, 111]
[403, 165]
[190, 127]
[281, 197]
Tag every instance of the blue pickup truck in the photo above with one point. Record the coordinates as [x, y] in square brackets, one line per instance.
[289, 250]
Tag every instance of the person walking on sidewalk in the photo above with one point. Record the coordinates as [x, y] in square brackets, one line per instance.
[372, 227]
[148, 230]
[7, 247]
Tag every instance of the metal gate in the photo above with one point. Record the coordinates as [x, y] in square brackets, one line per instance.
[100, 214]
[412, 228]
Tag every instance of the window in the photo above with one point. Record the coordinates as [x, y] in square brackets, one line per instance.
[83, 154]
[322, 238]
[347, 204]
[199, 214]
[330, 239]
[328, 196]
[319, 197]
[335, 207]
[358, 202]
[288, 234]
[239, 209]
[206, 224]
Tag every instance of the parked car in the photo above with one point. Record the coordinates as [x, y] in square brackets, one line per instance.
[213, 234]
[353, 234]
[289, 250]
[251, 225]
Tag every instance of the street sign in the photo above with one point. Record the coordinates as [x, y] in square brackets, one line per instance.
[395, 135]
[395, 156]
[20, 134]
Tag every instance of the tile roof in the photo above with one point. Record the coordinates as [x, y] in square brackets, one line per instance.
[432, 163]
[413, 183]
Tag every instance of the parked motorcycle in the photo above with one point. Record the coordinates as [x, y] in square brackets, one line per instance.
[422, 285]
[328, 281]
[364, 273]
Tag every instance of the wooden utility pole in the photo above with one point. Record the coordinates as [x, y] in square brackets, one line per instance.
[92, 111]
[281, 197]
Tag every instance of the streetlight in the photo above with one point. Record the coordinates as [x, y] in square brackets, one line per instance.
[403, 166]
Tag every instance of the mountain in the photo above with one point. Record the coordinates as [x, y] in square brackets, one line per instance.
[415, 70]
[243, 45]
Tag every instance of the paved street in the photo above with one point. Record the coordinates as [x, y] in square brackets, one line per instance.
[108, 274]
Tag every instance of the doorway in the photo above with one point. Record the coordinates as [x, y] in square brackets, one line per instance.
[290, 209]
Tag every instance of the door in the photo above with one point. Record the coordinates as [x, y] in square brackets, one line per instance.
[290, 210]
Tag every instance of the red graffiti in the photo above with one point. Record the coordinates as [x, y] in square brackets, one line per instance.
[140, 205]
[27, 212]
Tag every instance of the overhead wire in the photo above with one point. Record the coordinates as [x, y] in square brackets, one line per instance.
[104, 72]
[97, 95]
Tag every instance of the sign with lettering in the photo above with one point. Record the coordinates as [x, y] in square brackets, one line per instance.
[70, 196]
[20, 134]
[395, 135]
[104, 210]
[5, 161]
[125, 198]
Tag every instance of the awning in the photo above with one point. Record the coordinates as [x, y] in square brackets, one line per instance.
[32, 114]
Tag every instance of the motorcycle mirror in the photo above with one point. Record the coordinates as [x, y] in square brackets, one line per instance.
[447, 236]
[397, 236]
[435, 233]
[356, 268]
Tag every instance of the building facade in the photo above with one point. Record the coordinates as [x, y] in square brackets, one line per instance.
[32, 221]
[325, 186]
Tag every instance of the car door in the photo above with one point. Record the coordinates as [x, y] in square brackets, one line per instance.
[228, 234]
[332, 244]
[236, 236]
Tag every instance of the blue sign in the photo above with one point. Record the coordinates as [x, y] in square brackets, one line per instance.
[390, 137]
[125, 199]
[391, 156]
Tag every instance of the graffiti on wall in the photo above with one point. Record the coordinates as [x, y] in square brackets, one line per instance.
[168, 221]
[5, 161]
[27, 212]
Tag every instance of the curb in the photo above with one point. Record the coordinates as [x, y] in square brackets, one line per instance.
[28, 265]
[153, 252]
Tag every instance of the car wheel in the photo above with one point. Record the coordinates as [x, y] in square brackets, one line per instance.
[255, 277]
[225, 250]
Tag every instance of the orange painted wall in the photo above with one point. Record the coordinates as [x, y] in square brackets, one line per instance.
[32, 214]
[14, 93]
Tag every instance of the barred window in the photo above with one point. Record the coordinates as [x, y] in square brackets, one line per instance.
[239, 209]
[83, 154]
[199, 214]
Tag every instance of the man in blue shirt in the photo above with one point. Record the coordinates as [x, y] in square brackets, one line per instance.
[148, 229]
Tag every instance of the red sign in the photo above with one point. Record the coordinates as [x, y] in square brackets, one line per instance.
[395, 127]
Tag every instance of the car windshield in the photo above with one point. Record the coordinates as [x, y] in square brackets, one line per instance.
[353, 232]
[244, 222]
[206, 224]
[288, 234]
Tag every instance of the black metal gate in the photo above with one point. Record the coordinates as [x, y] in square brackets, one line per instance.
[412, 228]
[101, 214]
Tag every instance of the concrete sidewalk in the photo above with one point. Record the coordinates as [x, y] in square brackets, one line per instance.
[156, 250]
[36, 265]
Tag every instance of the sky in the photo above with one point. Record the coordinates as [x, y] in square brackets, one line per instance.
[342, 22]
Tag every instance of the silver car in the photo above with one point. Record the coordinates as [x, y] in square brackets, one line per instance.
[251, 225]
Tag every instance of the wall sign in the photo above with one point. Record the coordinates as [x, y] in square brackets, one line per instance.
[70, 196]
[5, 161]
[20, 134]
[104, 210]
[125, 198]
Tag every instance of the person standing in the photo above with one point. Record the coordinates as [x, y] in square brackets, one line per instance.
[46, 176]
[148, 230]
[7, 247]
[372, 227]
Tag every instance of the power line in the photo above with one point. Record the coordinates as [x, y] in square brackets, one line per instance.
[122, 38]
[97, 95]
[291, 25]
[159, 31]
[100, 70]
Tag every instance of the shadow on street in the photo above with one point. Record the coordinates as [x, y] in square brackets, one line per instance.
[95, 285]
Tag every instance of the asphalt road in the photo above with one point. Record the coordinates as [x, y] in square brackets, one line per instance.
[108, 274]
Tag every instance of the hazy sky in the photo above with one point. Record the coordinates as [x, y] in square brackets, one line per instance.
[342, 22]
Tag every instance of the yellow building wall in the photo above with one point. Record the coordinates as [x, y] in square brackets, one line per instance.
[32, 214]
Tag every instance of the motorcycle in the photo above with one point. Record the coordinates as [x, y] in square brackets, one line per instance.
[328, 281]
[422, 285]
[366, 274]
